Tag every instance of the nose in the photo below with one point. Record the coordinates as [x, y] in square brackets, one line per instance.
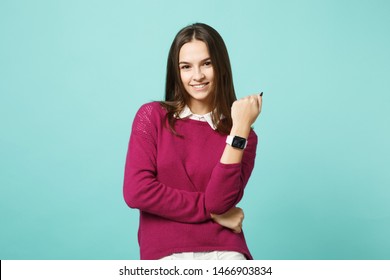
[198, 75]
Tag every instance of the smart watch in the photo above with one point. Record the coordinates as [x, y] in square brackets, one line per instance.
[236, 142]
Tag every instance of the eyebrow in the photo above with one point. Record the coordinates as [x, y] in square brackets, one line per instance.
[203, 60]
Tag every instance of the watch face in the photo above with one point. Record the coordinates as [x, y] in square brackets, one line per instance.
[239, 142]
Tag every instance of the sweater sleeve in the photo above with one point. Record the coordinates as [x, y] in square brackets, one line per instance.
[226, 186]
[141, 188]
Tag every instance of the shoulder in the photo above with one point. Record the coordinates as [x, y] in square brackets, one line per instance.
[150, 111]
[151, 108]
[149, 118]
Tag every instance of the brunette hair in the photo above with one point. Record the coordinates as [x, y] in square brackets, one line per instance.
[223, 94]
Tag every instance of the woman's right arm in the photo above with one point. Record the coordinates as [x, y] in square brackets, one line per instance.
[141, 188]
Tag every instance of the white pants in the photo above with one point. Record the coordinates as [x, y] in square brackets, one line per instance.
[213, 255]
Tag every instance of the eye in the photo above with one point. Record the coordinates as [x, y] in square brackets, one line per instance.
[185, 67]
[207, 63]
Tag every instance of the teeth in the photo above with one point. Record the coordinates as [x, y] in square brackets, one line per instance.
[199, 86]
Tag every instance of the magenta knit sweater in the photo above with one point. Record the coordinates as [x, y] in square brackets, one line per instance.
[176, 182]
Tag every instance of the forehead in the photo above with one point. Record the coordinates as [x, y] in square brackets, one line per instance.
[193, 51]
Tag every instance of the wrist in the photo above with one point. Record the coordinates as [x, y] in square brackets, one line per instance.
[242, 131]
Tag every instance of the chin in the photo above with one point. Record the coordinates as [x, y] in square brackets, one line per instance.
[200, 96]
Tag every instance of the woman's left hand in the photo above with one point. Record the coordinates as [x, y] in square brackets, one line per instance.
[246, 110]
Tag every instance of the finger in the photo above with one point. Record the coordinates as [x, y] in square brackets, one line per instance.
[260, 100]
[238, 228]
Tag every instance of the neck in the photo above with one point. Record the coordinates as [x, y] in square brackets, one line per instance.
[199, 108]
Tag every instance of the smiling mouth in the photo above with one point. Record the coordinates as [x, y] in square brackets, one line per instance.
[199, 86]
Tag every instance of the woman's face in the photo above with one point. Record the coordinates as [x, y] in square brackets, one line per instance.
[197, 75]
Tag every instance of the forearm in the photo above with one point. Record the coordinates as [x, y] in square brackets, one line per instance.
[225, 191]
[232, 155]
[228, 180]
[142, 191]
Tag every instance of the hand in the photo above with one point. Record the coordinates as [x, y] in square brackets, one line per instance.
[231, 219]
[245, 111]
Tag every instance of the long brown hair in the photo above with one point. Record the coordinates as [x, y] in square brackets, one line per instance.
[223, 94]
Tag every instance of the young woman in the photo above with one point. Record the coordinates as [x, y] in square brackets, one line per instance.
[190, 157]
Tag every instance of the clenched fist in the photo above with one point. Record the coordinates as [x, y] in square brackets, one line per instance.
[246, 110]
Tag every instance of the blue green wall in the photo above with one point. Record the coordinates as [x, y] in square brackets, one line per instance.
[73, 73]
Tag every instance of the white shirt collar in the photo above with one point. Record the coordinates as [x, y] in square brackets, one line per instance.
[186, 113]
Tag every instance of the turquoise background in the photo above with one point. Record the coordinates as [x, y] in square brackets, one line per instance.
[73, 73]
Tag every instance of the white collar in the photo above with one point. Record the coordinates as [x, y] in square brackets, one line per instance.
[186, 113]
